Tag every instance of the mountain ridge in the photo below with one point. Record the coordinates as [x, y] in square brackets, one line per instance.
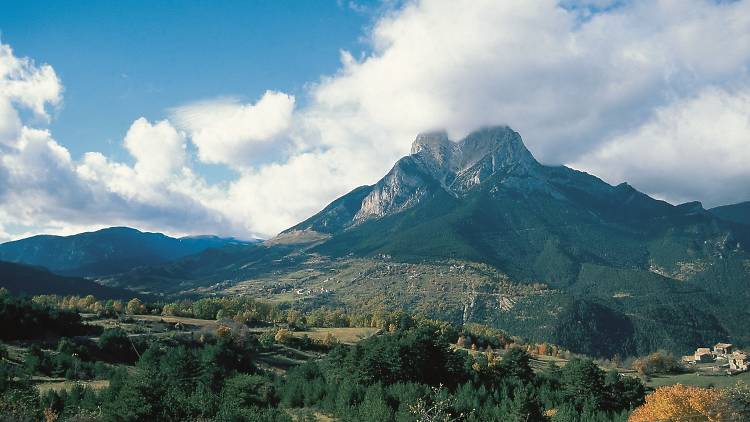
[106, 251]
[738, 213]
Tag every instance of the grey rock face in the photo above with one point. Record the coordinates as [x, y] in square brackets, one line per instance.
[436, 162]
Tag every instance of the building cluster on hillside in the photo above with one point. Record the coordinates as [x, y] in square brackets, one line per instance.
[737, 360]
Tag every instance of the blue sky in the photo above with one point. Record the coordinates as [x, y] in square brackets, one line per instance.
[242, 118]
[122, 60]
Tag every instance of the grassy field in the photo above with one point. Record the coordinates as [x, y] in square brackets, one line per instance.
[719, 381]
[279, 358]
[304, 414]
[541, 362]
[62, 384]
[210, 323]
[343, 335]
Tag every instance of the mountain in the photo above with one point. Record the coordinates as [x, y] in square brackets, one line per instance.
[25, 280]
[486, 199]
[107, 251]
[739, 213]
[479, 230]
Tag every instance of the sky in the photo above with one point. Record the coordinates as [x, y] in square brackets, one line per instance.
[242, 118]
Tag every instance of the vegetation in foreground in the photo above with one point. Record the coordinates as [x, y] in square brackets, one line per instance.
[410, 371]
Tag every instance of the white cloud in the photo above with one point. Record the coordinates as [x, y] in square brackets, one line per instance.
[26, 84]
[159, 149]
[563, 84]
[697, 148]
[229, 132]
[645, 91]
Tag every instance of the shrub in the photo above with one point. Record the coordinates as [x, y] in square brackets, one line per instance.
[282, 336]
[657, 363]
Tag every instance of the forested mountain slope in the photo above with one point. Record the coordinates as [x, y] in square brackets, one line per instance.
[739, 213]
[21, 279]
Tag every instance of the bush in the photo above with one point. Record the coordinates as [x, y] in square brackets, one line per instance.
[658, 363]
[282, 336]
[266, 339]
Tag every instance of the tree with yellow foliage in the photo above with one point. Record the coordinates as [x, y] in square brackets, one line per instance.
[330, 340]
[117, 306]
[135, 307]
[679, 402]
[282, 336]
[223, 331]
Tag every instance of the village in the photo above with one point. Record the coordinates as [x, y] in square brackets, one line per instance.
[722, 359]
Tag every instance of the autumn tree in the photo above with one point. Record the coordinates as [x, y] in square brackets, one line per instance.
[542, 349]
[680, 402]
[282, 336]
[135, 307]
[117, 306]
[461, 341]
[169, 309]
[223, 331]
[330, 340]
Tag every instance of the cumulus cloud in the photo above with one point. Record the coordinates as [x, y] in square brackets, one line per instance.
[229, 132]
[44, 189]
[29, 85]
[568, 85]
[694, 148]
[652, 92]
[159, 149]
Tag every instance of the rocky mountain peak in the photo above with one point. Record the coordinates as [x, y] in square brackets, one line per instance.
[431, 143]
[437, 166]
[460, 165]
[437, 150]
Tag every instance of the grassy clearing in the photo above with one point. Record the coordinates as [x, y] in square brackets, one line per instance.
[301, 414]
[719, 381]
[343, 335]
[182, 320]
[62, 384]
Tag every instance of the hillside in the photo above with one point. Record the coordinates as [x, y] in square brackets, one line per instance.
[739, 213]
[25, 280]
[105, 251]
[565, 257]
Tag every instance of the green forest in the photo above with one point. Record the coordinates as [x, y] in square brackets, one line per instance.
[410, 369]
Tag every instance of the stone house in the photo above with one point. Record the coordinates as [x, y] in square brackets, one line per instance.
[723, 349]
[739, 361]
[703, 355]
